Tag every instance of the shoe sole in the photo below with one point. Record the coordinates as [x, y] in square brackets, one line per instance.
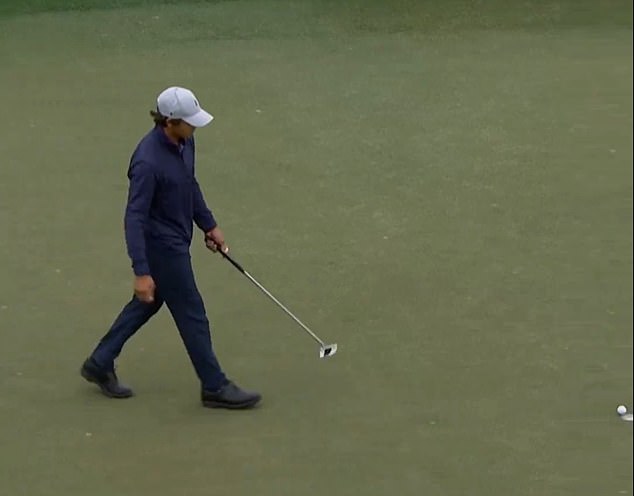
[104, 391]
[231, 406]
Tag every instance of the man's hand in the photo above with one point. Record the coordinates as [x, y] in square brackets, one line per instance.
[144, 288]
[215, 240]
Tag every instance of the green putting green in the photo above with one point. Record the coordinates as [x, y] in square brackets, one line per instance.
[442, 188]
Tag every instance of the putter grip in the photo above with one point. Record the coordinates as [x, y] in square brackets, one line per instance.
[232, 261]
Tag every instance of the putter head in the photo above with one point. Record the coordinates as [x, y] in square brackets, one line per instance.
[327, 350]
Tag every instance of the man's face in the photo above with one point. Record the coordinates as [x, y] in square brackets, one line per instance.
[182, 130]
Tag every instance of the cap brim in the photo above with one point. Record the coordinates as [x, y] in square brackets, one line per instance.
[199, 119]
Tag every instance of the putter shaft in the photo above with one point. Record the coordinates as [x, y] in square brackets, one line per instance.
[288, 312]
[275, 300]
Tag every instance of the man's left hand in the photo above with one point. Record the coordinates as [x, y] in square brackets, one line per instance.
[215, 240]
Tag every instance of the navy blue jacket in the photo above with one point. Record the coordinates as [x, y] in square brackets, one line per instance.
[164, 199]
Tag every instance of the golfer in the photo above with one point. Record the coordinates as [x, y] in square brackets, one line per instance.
[164, 202]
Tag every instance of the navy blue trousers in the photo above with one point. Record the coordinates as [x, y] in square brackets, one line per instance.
[176, 287]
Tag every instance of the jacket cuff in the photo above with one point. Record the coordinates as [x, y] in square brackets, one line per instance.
[141, 268]
[210, 225]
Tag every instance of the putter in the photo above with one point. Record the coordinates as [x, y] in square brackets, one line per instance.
[325, 350]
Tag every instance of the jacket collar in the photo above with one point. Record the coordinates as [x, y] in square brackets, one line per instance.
[160, 135]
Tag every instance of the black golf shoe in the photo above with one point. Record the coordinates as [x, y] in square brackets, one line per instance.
[106, 380]
[230, 396]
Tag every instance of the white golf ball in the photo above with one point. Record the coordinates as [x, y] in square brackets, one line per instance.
[621, 410]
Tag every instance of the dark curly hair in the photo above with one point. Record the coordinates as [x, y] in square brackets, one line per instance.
[160, 120]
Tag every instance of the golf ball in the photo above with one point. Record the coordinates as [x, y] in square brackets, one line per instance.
[621, 410]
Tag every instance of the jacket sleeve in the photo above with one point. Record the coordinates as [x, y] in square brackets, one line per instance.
[203, 217]
[140, 194]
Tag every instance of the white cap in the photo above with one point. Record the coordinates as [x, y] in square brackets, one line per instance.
[180, 103]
